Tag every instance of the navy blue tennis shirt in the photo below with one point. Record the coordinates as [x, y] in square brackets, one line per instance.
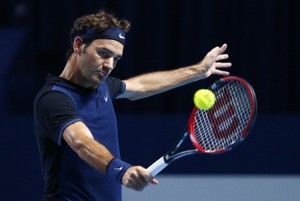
[59, 104]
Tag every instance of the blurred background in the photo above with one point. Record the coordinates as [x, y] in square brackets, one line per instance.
[263, 44]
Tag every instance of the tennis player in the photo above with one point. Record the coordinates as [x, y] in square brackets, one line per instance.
[74, 117]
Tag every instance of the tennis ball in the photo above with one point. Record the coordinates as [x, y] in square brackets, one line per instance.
[204, 99]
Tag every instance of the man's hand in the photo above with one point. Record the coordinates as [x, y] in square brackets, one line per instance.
[137, 178]
[210, 65]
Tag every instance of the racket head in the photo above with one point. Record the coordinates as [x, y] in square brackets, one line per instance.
[229, 121]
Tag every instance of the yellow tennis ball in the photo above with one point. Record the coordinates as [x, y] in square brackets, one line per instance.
[204, 99]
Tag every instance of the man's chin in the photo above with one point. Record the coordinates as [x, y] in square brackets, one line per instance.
[98, 81]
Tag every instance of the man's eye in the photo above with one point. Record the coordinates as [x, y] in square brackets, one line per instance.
[104, 54]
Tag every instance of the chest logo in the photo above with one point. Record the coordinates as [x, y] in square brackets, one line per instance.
[106, 97]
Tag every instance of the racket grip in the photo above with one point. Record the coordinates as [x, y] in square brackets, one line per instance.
[157, 166]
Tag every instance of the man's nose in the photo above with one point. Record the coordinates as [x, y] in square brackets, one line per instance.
[109, 63]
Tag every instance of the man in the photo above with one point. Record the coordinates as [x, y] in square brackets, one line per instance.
[74, 117]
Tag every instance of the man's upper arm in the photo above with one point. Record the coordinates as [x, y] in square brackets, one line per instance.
[130, 91]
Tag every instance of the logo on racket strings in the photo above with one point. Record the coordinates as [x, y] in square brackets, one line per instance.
[222, 118]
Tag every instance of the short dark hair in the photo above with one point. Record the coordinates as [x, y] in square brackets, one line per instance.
[97, 21]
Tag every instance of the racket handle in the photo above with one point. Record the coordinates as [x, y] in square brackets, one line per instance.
[157, 167]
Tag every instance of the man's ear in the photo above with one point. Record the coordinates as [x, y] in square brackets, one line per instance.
[77, 44]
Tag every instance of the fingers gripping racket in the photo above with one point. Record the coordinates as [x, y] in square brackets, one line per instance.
[220, 128]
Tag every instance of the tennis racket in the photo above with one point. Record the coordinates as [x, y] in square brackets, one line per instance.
[220, 128]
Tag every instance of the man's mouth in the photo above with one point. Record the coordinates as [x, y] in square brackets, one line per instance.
[102, 74]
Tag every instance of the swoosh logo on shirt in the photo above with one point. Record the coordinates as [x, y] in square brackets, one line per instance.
[106, 97]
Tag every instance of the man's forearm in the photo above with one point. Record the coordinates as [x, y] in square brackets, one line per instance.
[157, 82]
[82, 142]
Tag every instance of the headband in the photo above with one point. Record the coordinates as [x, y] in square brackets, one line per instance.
[113, 33]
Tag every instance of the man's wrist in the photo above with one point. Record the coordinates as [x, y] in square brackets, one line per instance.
[116, 169]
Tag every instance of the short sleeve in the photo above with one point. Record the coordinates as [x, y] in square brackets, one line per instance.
[55, 111]
[115, 86]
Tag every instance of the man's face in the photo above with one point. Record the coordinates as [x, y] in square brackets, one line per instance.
[97, 61]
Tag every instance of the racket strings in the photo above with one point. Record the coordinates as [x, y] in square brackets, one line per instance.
[223, 125]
